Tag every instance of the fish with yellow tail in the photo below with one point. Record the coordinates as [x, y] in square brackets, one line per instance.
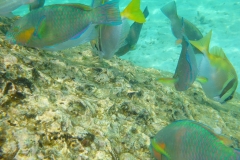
[58, 23]
[133, 36]
[191, 31]
[190, 140]
[111, 38]
[220, 76]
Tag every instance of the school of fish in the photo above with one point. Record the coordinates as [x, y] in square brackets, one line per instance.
[61, 26]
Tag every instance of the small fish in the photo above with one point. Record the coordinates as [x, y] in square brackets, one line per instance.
[133, 36]
[186, 71]
[190, 140]
[221, 77]
[111, 38]
[191, 31]
[7, 6]
[58, 23]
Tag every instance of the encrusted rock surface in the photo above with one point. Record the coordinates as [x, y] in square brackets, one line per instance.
[73, 105]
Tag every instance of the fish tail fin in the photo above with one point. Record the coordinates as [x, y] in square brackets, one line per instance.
[203, 44]
[168, 80]
[145, 12]
[133, 12]
[108, 13]
[170, 10]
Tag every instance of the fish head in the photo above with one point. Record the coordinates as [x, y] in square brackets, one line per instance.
[20, 32]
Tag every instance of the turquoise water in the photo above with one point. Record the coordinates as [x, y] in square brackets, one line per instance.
[156, 47]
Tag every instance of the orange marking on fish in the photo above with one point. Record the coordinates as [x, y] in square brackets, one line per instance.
[24, 36]
[179, 41]
[157, 155]
[162, 145]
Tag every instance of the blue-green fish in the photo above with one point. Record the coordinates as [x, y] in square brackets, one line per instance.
[186, 71]
[133, 36]
[220, 76]
[191, 31]
[58, 23]
[190, 140]
[7, 6]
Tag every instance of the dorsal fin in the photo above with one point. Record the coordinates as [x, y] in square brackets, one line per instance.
[218, 51]
[203, 44]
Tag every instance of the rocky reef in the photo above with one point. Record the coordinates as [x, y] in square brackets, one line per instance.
[73, 105]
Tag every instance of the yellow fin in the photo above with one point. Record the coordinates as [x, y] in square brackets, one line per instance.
[218, 51]
[159, 148]
[225, 140]
[202, 79]
[25, 36]
[133, 12]
[203, 44]
[168, 80]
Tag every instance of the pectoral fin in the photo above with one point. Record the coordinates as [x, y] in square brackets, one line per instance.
[202, 79]
[168, 80]
[203, 44]
[41, 27]
[160, 148]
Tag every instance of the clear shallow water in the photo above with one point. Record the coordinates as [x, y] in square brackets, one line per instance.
[156, 47]
[56, 105]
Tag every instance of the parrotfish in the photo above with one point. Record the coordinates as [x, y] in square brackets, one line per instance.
[7, 6]
[191, 31]
[58, 23]
[133, 36]
[186, 71]
[89, 34]
[111, 38]
[190, 140]
[220, 76]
